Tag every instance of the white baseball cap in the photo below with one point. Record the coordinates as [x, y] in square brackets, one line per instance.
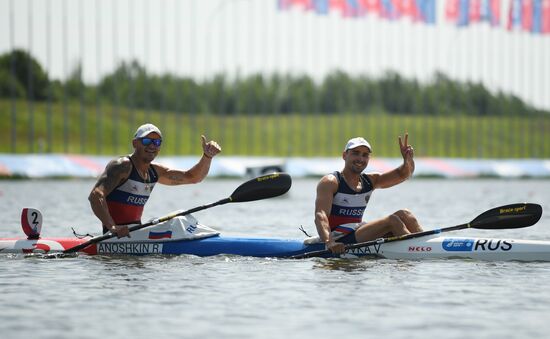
[356, 142]
[145, 129]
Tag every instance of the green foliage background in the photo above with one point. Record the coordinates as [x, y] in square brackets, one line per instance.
[277, 115]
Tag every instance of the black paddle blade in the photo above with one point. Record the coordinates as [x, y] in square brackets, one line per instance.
[508, 216]
[264, 187]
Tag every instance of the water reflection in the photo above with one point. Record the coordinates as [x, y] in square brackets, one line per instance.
[345, 265]
[362, 264]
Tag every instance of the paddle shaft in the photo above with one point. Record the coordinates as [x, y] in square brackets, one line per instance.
[263, 187]
[409, 236]
[383, 240]
[110, 235]
[503, 217]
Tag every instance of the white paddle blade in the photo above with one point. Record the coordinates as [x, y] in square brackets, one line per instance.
[31, 222]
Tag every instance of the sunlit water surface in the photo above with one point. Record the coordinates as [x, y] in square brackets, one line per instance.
[241, 297]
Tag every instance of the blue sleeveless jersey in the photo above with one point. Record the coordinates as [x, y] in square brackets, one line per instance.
[126, 202]
[349, 205]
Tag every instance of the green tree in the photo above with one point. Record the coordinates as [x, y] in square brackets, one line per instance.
[397, 94]
[368, 94]
[302, 95]
[74, 86]
[27, 72]
[9, 86]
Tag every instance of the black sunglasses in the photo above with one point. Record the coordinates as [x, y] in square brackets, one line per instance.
[149, 141]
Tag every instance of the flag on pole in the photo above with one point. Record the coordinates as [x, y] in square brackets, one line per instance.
[546, 16]
[490, 12]
[530, 15]
[418, 10]
[465, 12]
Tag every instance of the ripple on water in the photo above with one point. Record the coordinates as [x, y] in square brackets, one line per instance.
[235, 297]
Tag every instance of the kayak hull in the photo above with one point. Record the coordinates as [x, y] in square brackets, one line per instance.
[486, 249]
[428, 247]
[215, 245]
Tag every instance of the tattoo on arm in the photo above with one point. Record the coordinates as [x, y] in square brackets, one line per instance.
[176, 178]
[116, 171]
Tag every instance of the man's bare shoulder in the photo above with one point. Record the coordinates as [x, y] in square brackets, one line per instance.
[121, 164]
[374, 178]
[329, 178]
[328, 182]
[159, 167]
[165, 172]
[116, 170]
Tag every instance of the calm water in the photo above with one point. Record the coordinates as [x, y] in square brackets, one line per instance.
[237, 297]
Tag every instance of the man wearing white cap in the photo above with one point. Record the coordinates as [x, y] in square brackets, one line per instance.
[120, 194]
[343, 196]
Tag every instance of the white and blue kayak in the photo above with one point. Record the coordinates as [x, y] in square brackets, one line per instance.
[179, 233]
[186, 236]
[432, 246]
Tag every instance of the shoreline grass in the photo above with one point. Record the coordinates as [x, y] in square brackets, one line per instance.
[107, 130]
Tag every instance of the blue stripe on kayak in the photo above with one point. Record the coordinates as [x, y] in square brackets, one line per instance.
[259, 247]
